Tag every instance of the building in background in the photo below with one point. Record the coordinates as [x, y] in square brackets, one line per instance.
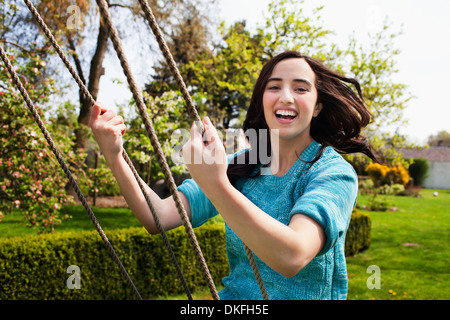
[439, 160]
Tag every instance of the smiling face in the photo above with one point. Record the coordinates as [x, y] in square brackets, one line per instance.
[290, 100]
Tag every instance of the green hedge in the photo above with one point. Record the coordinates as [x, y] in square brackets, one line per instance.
[418, 170]
[35, 267]
[358, 234]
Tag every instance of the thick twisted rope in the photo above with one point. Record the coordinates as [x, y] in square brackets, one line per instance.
[86, 92]
[255, 269]
[104, 11]
[190, 108]
[169, 59]
[65, 168]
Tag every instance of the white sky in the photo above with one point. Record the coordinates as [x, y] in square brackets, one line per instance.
[424, 62]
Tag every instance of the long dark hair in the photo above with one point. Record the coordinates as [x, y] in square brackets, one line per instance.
[338, 125]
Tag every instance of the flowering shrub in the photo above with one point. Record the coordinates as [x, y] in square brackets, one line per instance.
[384, 175]
[398, 175]
[377, 173]
[99, 181]
[30, 177]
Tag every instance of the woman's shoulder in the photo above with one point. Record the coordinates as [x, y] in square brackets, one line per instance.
[331, 161]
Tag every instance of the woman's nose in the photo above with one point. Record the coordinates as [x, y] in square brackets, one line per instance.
[286, 96]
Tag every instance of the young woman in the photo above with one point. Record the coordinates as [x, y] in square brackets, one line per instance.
[293, 211]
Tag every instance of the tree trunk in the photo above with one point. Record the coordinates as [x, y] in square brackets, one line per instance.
[95, 73]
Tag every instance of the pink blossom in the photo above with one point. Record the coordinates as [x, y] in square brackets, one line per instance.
[17, 203]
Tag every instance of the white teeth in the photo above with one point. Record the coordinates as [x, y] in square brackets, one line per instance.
[286, 113]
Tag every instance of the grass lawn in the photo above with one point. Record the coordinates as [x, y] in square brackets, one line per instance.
[109, 218]
[410, 246]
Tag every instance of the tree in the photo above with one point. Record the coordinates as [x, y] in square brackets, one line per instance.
[74, 23]
[30, 177]
[227, 77]
[442, 139]
[374, 67]
[187, 39]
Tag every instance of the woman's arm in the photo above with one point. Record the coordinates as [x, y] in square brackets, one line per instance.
[108, 129]
[286, 249]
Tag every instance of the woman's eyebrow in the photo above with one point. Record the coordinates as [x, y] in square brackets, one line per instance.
[295, 80]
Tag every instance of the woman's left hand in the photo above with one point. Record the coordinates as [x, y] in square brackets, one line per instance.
[205, 157]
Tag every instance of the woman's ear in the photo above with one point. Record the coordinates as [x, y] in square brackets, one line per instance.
[317, 110]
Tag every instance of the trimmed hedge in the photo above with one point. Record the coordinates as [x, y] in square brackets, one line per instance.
[35, 267]
[358, 233]
[418, 170]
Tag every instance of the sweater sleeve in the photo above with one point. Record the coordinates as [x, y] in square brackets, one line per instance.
[202, 208]
[329, 198]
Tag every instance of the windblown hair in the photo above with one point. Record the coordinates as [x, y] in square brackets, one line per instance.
[339, 123]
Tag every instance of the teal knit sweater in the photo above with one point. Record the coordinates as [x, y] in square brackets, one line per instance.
[326, 192]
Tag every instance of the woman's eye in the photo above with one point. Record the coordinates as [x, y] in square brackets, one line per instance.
[301, 89]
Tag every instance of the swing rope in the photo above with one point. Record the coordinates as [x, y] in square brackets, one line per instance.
[255, 269]
[191, 110]
[86, 92]
[65, 168]
[169, 59]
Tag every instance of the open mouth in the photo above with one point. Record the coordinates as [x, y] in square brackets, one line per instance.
[286, 115]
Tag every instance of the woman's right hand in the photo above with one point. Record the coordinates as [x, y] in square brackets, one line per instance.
[108, 129]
